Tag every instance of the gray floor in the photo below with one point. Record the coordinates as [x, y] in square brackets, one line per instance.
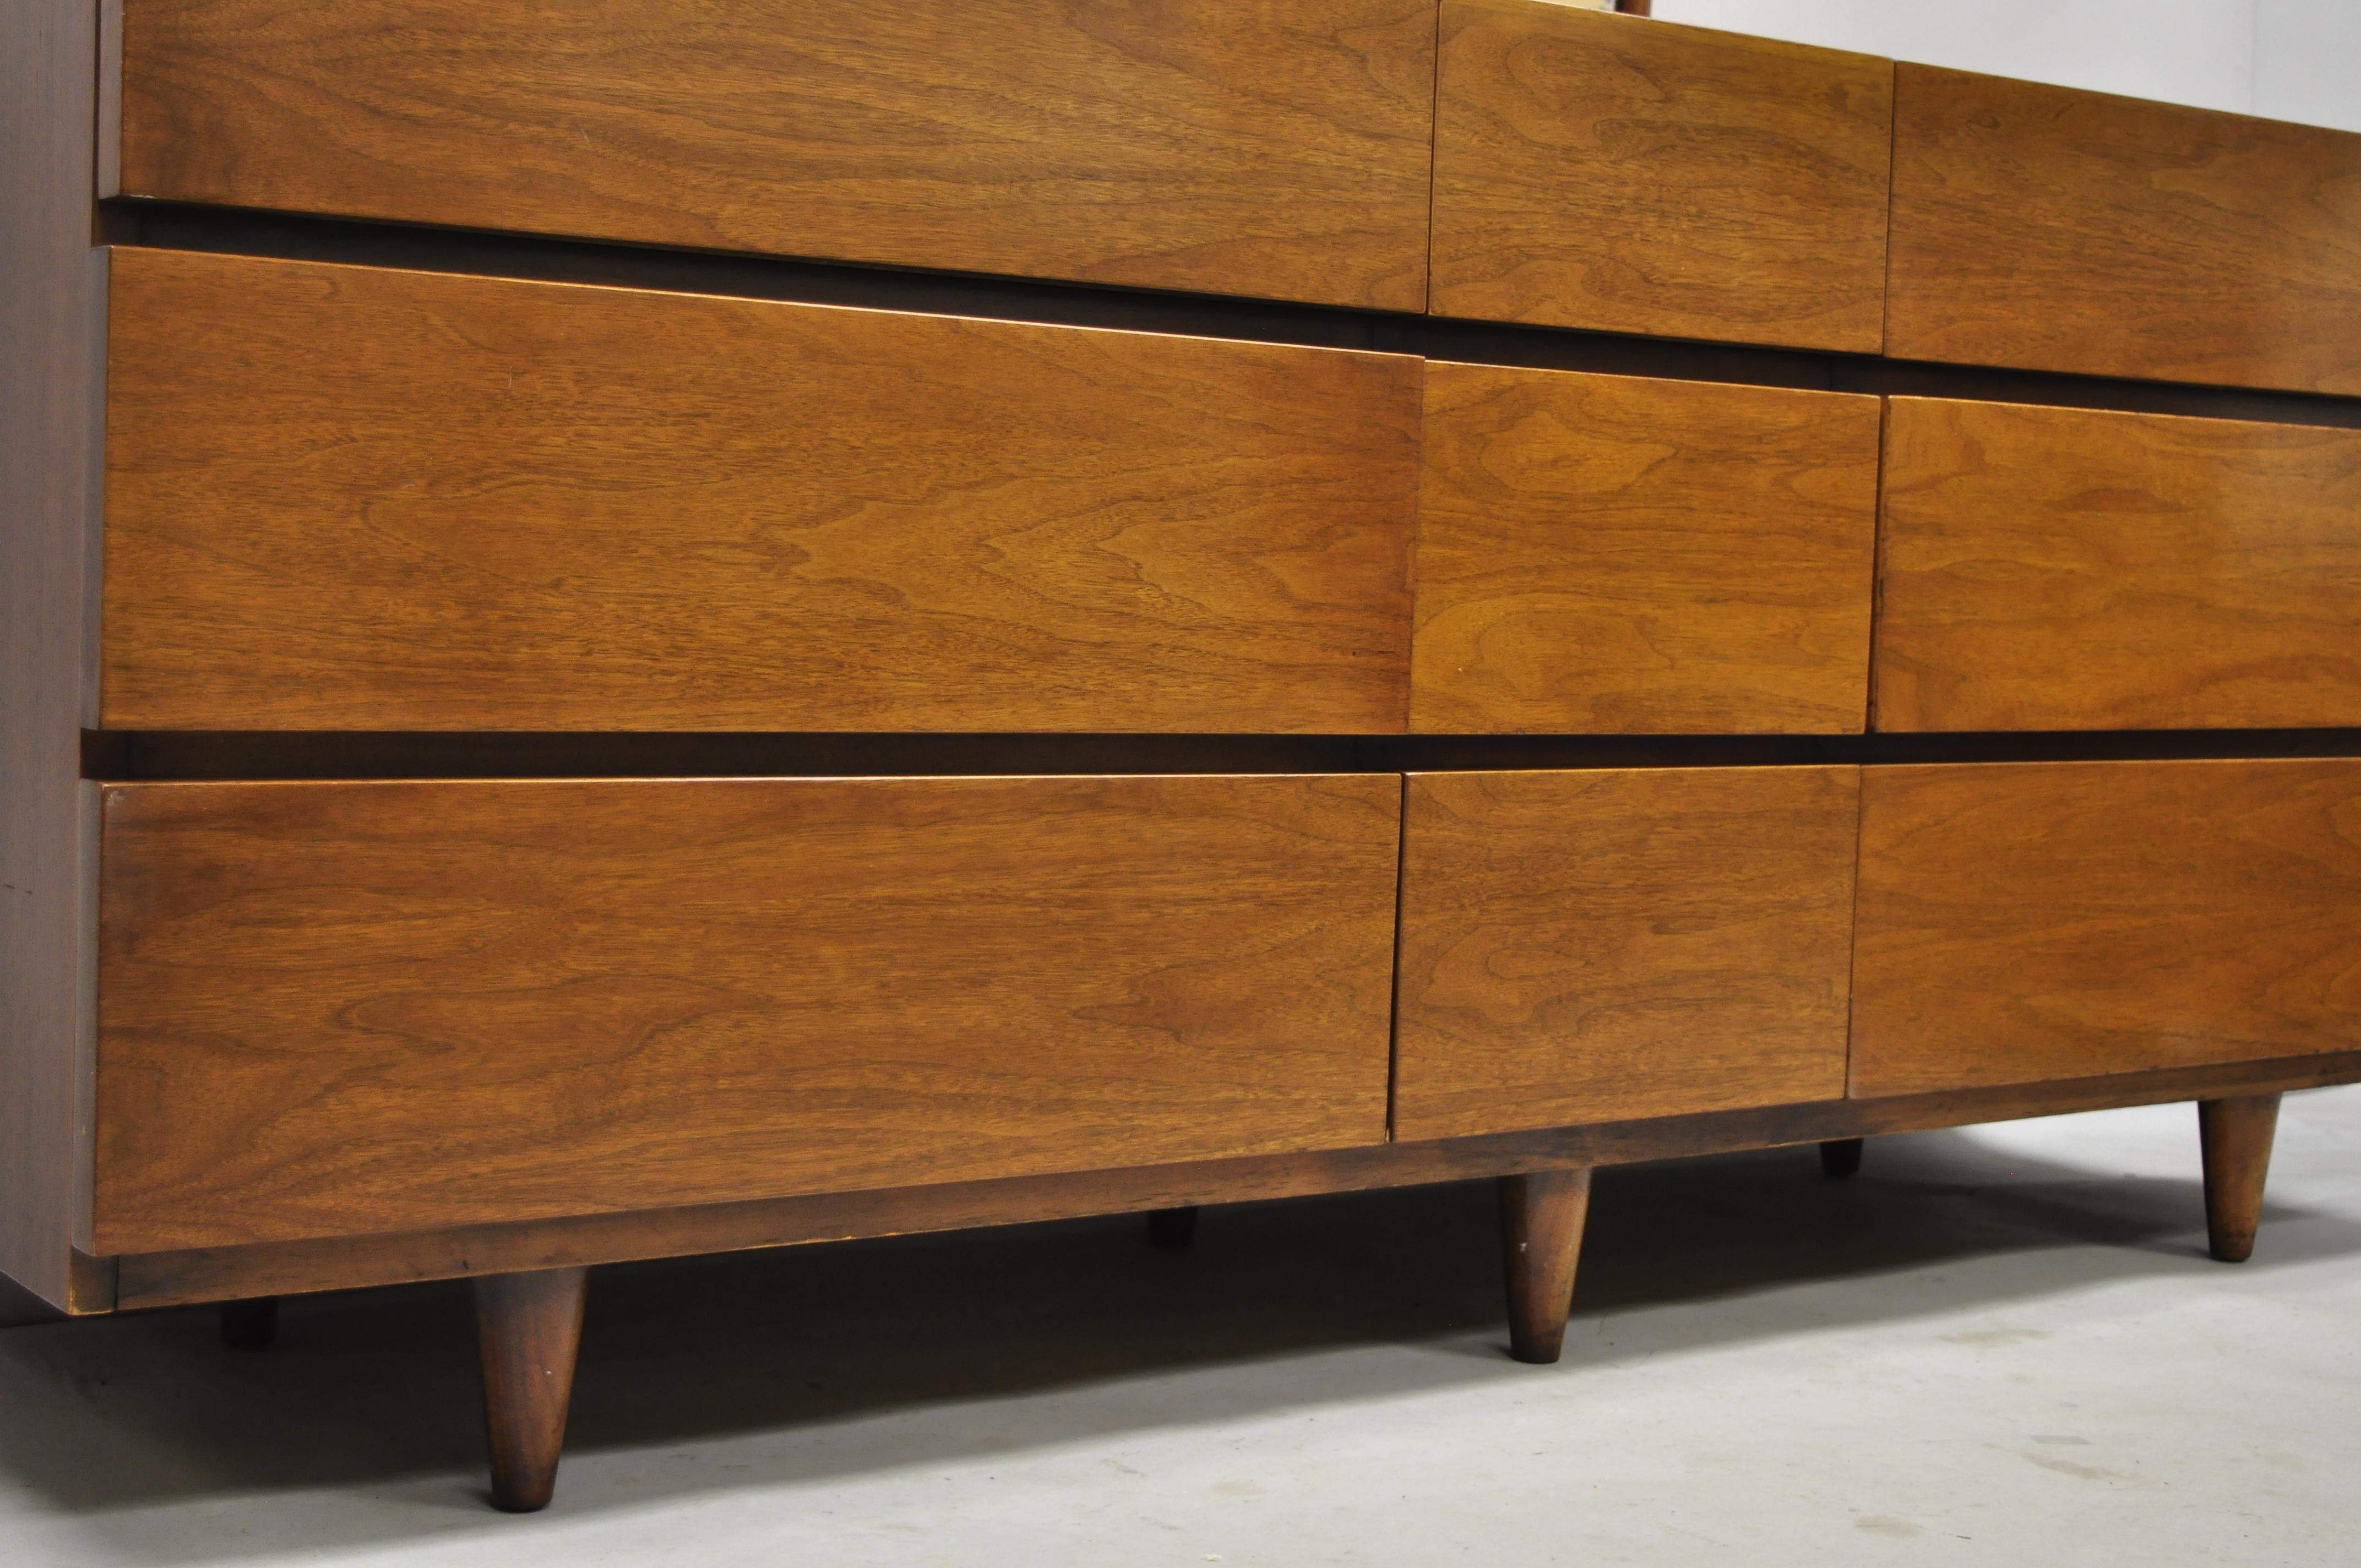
[2000, 1345]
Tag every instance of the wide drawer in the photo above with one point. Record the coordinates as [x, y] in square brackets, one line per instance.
[2045, 568]
[343, 1008]
[1611, 553]
[358, 499]
[1601, 945]
[1594, 170]
[1273, 148]
[2036, 921]
[2052, 229]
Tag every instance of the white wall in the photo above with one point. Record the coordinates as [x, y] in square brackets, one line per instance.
[2308, 61]
[2290, 59]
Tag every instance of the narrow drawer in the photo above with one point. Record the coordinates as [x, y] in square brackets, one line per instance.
[349, 498]
[1275, 147]
[1596, 170]
[2048, 568]
[1607, 554]
[2051, 229]
[2035, 921]
[343, 1008]
[1597, 945]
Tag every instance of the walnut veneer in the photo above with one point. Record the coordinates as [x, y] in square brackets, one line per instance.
[638, 629]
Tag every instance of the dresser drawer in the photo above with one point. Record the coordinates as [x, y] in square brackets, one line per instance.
[1609, 554]
[356, 499]
[2027, 922]
[2047, 568]
[343, 1008]
[1596, 170]
[2053, 229]
[1602, 945]
[1273, 148]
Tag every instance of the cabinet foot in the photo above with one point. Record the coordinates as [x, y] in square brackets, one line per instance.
[528, 1327]
[1172, 1228]
[1840, 1158]
[1541, 1239]
[251, 1325]
[2235, 1136]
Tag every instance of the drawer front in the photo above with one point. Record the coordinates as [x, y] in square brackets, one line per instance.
[2051, 229]
[343, 1008]
[346, 498]
[1594, 170]
[1275, 147]
[2035, 921]
[1597, 945]
[2047, 568]
[1604, 554]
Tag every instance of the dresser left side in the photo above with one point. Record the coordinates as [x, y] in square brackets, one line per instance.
[53, 319]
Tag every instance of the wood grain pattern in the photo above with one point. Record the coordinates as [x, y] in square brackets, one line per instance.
[52, 294]
[1596, 945]
[1618, 554]
[337, 1262]
[1274, 148]
[2053, 229]
[346, 1008]
[346, 498]
[2046, 568]
[1594, 171]
[2048, 920]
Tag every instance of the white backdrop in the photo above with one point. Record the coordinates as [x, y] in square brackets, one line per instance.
[2290, 59]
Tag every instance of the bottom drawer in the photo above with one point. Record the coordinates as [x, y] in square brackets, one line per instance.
[1609, 944]
[2020, 921]
[344, 1008]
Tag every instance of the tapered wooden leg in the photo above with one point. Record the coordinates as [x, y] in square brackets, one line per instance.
[1541, 1238]
[1172, 1228]
[251, 1325]
[1840, 1158]
[2236, 1135]
[528, 1326]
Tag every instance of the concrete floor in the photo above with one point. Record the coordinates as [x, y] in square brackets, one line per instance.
[2002, 1346]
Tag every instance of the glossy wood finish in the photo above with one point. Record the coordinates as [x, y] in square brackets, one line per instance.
[1621, 555]
[529, 1329]
[1595, 171]
[343, 498]
[1596, 945]
[337, 1263]
[53, 293]
[2045, 568]
[1276, 147]
[2235, 1138]
[344, 1008]
[2031, 921]
[1542, 1216]
[2055, 229]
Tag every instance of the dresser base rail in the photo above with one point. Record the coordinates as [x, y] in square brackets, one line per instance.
[287, 1269]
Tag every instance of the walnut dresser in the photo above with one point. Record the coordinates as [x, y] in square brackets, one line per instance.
[636, 629]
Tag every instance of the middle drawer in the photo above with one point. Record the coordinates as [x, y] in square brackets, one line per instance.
[2053, 568]
[344, 498]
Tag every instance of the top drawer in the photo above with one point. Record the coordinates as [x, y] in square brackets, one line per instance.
[2049, 229]
[1274, 148]
[1593, 171]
